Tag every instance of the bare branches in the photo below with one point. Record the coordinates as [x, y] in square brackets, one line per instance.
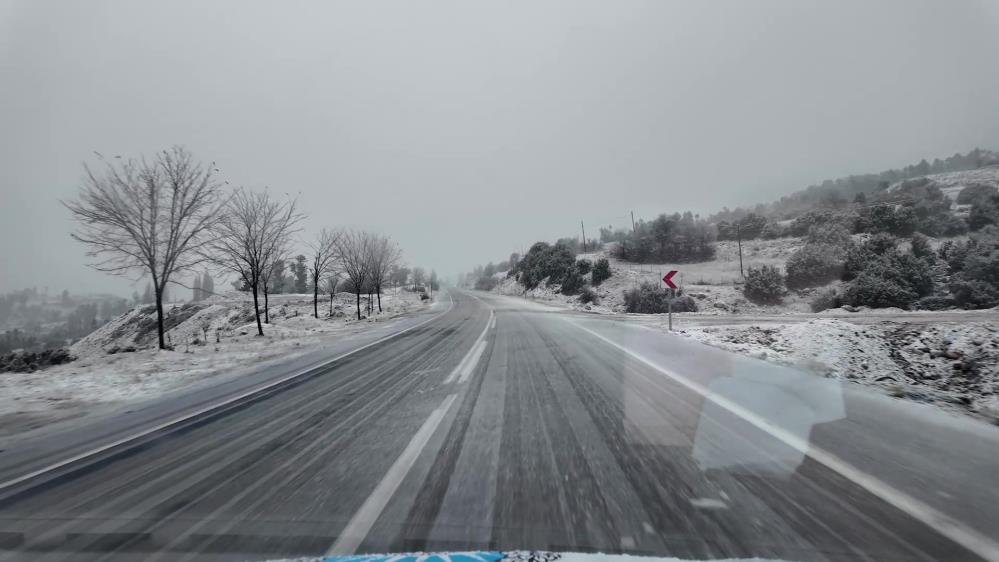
[162, 216]
[384, 256]
[147, 217]
[324, 253]
[250, 234]
[355, 256]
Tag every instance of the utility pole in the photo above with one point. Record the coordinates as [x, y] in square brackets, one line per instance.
[738, 235]
[584, 235]
[633, 229]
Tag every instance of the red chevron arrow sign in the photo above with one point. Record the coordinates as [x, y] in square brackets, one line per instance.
[668, 279]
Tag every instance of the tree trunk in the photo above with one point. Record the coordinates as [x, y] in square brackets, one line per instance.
[256, 311]
[378, 290]
[358, 304]
[331, 305]
[267, 308]
[315, 300]
[159, 317]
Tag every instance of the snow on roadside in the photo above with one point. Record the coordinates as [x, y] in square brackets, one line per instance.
[106, 374]
[944, 363]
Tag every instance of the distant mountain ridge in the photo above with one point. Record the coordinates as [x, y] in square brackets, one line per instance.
[833, 193]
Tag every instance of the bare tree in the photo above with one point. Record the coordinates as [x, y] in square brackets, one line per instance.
[419, 277]
[324, 252]
[273, 262]
[249, 233]
[355, 258]
[385, 256]
[332, 281]
[149, 217]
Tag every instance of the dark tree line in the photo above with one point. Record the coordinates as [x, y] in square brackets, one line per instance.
[676, 238]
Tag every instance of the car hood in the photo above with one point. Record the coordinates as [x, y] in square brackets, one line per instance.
[508, 556]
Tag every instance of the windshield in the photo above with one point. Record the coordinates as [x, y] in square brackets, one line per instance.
[479, 282]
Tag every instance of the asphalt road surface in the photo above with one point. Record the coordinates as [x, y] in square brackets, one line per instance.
[495, 423]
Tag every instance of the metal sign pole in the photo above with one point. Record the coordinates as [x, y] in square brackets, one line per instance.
[669, 308]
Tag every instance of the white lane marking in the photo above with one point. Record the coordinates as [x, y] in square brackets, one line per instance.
[357, 529]
[206, 409]
[947, 526]
[466, 371]
[492, 323]
[708, 503]
[458, 370]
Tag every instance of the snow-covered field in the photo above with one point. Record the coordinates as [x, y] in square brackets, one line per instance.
[119, 362]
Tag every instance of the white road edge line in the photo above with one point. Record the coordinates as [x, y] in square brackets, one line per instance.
[206, 409]
[357, 528]
[947, 526]
[460, 369]
[492, 323]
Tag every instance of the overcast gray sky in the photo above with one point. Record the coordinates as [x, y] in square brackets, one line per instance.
[466, 130]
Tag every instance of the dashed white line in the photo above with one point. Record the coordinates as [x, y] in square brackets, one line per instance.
[466, 371]
[357, 528]
[947, 526]
[708, 503]
[470, 359]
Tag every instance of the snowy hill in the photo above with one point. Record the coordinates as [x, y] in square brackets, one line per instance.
[953, 182]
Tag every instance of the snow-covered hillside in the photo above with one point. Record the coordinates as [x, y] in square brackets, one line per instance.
[713, 284]
[952, 183]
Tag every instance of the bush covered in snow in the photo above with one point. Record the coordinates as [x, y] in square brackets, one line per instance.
[803, 224]
[920, 245]
[29, 361]
[875, 291]
[881, 275]
[773, 230]
[601, 272]
[545, 261]
[935, 302]
[974, 268]
[572, 282]
[588, 296]
[648, 298]
[974, 192]
[814, 264]
[830, 233]
[764, 284]
[824, 300]
[900, 221]
[984, 212]
[584, 266]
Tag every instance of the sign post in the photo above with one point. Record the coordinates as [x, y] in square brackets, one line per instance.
[668, 279]
[669, 308]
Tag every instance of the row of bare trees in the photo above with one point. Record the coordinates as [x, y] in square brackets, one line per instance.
[163, 216]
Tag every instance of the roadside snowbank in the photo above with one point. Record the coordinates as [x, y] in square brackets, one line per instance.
[118, 363]
[944, 363]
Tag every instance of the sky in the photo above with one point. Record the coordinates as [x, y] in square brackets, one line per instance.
[468, 130]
